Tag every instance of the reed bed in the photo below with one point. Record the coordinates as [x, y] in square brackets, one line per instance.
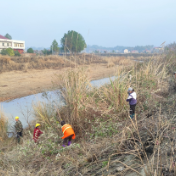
[3, 125]
[108, 141]
[25, 63]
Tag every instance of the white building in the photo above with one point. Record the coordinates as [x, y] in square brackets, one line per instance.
[126, 51]
[16, 45]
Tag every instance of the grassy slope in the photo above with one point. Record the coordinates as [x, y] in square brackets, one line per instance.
[108, 142]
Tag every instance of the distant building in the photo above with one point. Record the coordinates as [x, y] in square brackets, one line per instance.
[147, 51]
[126, 51]
[38, 52]
[134, 51]
[158, 49]
[16, 45]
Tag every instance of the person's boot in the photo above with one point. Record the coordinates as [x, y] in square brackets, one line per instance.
[69, 143]
[131, 115]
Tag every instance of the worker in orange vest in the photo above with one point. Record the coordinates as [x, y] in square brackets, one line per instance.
[68, 133]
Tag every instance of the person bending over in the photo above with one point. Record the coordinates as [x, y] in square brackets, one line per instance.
[68, 133]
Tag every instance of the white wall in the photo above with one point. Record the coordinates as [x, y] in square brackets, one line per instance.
[14, 44]
[126, 51]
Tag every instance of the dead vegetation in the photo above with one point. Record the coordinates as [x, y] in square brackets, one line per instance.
[108, 142]
[25, 63]
[3, 126]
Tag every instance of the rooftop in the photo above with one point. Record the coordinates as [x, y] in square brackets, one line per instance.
[2, 37]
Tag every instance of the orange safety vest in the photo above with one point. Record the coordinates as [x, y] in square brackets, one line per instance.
[68, 131]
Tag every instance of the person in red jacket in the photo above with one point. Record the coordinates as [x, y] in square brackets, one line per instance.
[68, 133]
[37, 132]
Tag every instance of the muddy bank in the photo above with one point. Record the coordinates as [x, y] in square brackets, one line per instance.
[18, 84]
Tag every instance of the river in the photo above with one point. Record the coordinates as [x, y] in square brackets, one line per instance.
[23, 107]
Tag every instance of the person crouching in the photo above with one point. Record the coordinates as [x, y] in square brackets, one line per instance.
[68, 133]
[132, 101]
[37, 132]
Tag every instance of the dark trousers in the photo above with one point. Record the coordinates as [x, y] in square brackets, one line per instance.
[66, 140]
[132, 109]
[19, 135]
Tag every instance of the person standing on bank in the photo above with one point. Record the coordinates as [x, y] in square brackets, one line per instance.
[37, 132]
[68, 133]
[18, 128]
[132, 101]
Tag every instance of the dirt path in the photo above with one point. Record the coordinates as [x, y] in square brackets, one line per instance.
[17, 84]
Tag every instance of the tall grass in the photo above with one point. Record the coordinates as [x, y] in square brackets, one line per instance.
[46, 115]
[24, 63]
[138, 146]
[3, 125]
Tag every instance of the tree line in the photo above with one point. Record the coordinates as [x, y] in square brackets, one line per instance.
[71, 42]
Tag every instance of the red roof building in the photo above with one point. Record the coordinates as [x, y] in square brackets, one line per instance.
[2, 37]
[16, 45]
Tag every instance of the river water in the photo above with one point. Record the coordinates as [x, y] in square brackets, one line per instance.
[23, 107]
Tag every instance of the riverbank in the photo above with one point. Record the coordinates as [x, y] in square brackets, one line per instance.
[16, 84]
[107, 141]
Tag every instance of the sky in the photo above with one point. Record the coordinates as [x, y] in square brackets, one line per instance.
[101, 22]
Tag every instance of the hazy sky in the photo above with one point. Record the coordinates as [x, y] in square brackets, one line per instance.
[102, 22]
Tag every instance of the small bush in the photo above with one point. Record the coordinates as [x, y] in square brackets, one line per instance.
[4, 52]
[17, 53]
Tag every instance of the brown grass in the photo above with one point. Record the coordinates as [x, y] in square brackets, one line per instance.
[33, 62]
[110, 143]
[3, 125]
[24, 63]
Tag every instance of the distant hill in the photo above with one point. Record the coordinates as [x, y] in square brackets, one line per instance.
[37, 48]
[120, 49]
[116, 49]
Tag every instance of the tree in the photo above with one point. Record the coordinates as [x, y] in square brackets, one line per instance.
[30, 50]
[17, 53]
[73, 42]
[8, 36]
[46, 52]
[55, 46]
[4, 52]
[10, 51]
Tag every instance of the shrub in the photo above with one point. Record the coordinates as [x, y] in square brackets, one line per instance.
[30, 50]
[10, 51]
[4, 52]
[17, 53]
